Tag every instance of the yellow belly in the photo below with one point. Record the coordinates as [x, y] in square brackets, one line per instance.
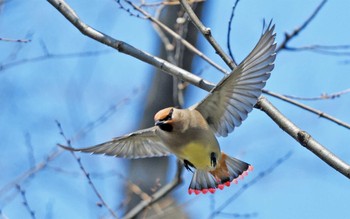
[198, 154]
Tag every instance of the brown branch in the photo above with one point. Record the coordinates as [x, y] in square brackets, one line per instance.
[158, 195]
[303, 137]
[308, 108]
[207, 34]
[296, 31]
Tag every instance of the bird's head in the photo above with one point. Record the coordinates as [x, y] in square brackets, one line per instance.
[164, 119]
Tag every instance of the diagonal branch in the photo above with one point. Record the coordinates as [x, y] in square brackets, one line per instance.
[126, 48]
[303, 137]
[308, 108]
[323, 96]
[207, 34]
[158, 195]
[86, 174]
[176, 36]
[29, 173]
[296, 31]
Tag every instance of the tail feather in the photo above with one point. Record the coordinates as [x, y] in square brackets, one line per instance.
[228, 169]
[202, 181]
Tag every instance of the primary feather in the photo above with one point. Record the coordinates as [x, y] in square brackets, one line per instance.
[229, 103]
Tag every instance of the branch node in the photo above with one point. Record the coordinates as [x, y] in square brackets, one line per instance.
[303, 137]
[207, 31]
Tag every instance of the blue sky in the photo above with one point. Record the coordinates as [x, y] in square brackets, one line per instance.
[76, 91]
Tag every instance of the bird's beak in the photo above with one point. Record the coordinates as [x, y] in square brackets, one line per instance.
[158, 123]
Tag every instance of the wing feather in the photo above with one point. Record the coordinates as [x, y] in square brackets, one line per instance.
[229, 103]
[139, 144]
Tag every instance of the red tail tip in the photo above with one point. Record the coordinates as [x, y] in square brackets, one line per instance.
[204, 191]
[190, 191]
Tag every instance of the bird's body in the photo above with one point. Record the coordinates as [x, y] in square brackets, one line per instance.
[194, 141]
[190, 133]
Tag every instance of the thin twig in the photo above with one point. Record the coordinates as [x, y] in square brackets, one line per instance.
[24, 176]
[176, 36]
[15, 40]
[207, 34]
[229, 30]
[25, 201]
[296, 31]
[308, 108]
[169, 2]
[158, 195]
[303, 137]
[86, 174]
[105, 115]
[322, 49]
[323, 96]
[28, 143]
[168, 46]
[44, 57]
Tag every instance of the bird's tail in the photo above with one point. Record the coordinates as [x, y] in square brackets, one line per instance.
[228, 169]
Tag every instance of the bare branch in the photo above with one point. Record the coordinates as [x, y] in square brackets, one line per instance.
[322, 49]
[308, 108]
[323, 96]
[28, 143]
[303, 137]
[15, 40]
[105, 115]
[176, 36]
[158, 195]
[25, 201]
[86, 174]
[24, 176]
[47, 56]
[229, 30]
[289, 36]
[171, 69]
[123, 47]
[207, 34]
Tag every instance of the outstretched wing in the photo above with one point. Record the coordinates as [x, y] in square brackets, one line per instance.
[234, 97]
[139, 144]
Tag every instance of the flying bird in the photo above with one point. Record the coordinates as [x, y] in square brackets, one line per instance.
[190, 134]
